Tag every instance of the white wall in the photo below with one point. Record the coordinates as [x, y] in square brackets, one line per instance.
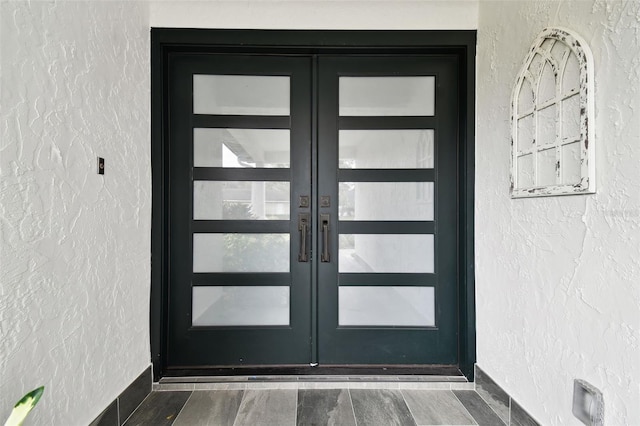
[558, 278]
[316, 14]
[74, 259]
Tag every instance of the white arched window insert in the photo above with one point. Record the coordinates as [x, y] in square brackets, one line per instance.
[552, 144]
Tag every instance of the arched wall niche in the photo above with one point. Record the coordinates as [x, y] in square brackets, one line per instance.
[552, 144]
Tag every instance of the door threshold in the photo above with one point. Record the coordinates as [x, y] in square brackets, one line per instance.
[325, 381]
[302, 372]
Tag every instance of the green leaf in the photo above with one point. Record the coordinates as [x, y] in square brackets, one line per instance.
[24, 406]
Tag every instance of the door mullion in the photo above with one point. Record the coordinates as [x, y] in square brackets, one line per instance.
[314, 211]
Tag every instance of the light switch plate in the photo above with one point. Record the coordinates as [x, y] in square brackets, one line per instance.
[100, 165]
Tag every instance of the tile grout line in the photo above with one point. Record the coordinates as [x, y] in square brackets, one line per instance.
[244, 393]
[495, 412]
[353, 410]
[182, 409]
[295, 409]
[136, 409]
[465, 407]
[408, 408]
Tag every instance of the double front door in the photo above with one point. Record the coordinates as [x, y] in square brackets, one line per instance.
[312, 210]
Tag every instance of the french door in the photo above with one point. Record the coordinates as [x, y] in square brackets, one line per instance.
[312, 209]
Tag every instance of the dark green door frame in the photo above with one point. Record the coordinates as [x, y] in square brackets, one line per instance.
[168, 41]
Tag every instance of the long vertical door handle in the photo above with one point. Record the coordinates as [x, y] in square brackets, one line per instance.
[324, 223]
[303, 227]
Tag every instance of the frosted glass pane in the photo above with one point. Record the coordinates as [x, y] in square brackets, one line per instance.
[386, 149]
[241, 200]
[386, 306]
[240, 95]
[241, 252]
[547, 167]
[525, 172]
[267, 148]
[386, 201]
[234, 305]
[571, 117]
[386, 253]
[384, 96]
[526, 133]
[547, 85]
[571, 164]
[547, 126]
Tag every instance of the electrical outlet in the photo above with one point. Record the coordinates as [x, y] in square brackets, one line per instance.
[588, 403]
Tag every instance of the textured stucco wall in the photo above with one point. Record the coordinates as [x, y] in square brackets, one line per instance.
[558, 278]
[74, 253]
[316, 14]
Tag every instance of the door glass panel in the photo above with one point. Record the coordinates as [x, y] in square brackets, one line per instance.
[240, 200]
[239, 252]
[235, 305]
[386, 149]
[387, 96]
[269, 148]
[386, 201]
[240, 95]
[386, 306]
[386, 253]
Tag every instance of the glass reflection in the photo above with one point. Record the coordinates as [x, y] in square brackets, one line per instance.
[385, 201]
[240, 252]
[241, 200]
[392, 253]
[386, 149]
[233, 148]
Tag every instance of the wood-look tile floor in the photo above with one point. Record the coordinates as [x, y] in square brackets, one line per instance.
[340, 407]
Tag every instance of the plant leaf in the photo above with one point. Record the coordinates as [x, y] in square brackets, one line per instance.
[24, 406]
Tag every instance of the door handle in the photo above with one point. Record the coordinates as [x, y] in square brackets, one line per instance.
[303, 227]
[324, 224]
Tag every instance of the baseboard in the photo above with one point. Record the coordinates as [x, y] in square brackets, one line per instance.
[509, 411]
[126, 403]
